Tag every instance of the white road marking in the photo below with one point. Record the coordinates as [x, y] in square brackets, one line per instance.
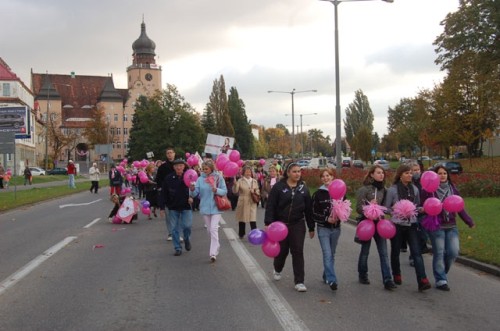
[79, 204]
[32, 265]
[91, 223]
[285, 314]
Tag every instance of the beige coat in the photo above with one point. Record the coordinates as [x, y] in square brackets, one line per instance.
[246, 210]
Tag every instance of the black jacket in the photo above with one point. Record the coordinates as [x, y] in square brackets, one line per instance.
[322, 207]
[289, 205]
[174, 193]
[164, 169]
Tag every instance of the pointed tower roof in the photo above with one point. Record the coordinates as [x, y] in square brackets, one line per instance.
[143, 45]
[109, 93]
[47, 92]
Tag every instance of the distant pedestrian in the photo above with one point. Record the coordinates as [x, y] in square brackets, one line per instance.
[27, 176]
[150, 190]
[246, 210]
[290, 202]
[2, 174]
[94, 177]
[71, 174]
[209, 184]
[445, 240]
[115, 181]
[164, 169]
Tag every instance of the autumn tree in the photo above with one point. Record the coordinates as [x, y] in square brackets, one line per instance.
[97, 129]
[358, 115]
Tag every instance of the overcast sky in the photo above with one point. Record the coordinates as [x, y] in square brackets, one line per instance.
[259, 45]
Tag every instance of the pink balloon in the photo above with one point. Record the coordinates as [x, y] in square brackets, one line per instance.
[271, 248]
[230, 169]
[240, 163]
[429, 181]
[190, 176]
[222, 159]
[143, 178]
[144, 163]
[117, 220]
[136, 164]
[453, 204]
[192, 160]
[188, 155]
[433, 206]
[129, 178]
[365, 230]
[277, 231]
[386, 229]
[262, 162]
[146, 210]
[337, 189]
[234, 155]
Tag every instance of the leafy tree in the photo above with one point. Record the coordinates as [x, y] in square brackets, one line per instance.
[219, 107]
[243, 131]
[165, 120]
[363, 143]
[358, 115]
[97, 131]
[208, 121]
[277, 141]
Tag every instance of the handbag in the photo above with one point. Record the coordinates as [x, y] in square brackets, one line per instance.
[255, 196]
[221, 201]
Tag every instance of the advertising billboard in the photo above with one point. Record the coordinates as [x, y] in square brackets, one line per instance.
[15, 119]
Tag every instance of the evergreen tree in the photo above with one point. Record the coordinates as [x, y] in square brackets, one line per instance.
[208, 121]
[218, 106]
[244, 139]
[357, 115]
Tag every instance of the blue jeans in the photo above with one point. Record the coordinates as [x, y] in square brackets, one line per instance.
[412, 236]
[180, 220]
[328, 239]
[445, 247]
[71, 182]
[167, 222]
[382, 253]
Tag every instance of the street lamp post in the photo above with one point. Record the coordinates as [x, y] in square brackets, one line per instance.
[302, 137]
[292, 93]
[338, 136]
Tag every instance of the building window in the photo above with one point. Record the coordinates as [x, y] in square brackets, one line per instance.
[118, 131]
[125, 117]
[112, 131]
[118, 145]
[119, 156]
[116, 117]
[6, 89]
[125, 131]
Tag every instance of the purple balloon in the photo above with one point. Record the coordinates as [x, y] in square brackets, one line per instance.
[146, 204]
[257, 237]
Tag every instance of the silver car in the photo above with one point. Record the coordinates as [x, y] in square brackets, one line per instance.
[383, 163]
[36, 171]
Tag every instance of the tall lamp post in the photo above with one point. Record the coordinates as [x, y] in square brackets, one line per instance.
[292, 93]
[301, 130]
[338, 136]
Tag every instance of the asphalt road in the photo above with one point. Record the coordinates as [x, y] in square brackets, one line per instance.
[64, 267]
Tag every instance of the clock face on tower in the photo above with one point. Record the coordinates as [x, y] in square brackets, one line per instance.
[148, 77]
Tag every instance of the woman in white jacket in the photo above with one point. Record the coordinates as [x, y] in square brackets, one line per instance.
[94, 178]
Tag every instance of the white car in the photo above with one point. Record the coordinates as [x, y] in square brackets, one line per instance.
[36, 171]
[383, 163]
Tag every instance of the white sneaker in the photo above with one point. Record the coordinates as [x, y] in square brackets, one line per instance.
[169, 238]
[213, 258]
[181, 240]
[276, 275]
[300, 287]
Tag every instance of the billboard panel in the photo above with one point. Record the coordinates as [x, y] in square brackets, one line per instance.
[14, 119]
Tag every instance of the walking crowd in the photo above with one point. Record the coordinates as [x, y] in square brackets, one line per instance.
[286, 198]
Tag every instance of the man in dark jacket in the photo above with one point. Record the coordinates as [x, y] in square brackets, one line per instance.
[166, 168]
[176, 198]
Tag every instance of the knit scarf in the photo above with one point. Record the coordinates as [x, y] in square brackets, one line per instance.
[406, 192]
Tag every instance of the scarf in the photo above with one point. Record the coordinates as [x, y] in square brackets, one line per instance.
[406, 191]
[443, 191]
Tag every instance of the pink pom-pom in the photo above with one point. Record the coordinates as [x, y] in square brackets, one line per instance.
[404, 209]
[372, 211]
[341, 209]
[431, 223]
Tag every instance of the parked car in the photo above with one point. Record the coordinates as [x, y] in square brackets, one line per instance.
[424, 158]
[454, 167]
[346, 163]
[58, 171]
[36, 171]
[358, 164]
[303, 163]
[383, 163]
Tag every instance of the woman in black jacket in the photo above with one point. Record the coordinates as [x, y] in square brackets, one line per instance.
[328, 227]
[290, 202]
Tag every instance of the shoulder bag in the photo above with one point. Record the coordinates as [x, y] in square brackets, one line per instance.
[222, 201]
[255, 196]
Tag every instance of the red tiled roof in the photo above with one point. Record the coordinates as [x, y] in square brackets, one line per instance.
[5, 71]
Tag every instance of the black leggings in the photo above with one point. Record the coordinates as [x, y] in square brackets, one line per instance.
[241, 228]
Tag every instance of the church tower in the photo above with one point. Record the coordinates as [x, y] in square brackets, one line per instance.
[144, 75]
